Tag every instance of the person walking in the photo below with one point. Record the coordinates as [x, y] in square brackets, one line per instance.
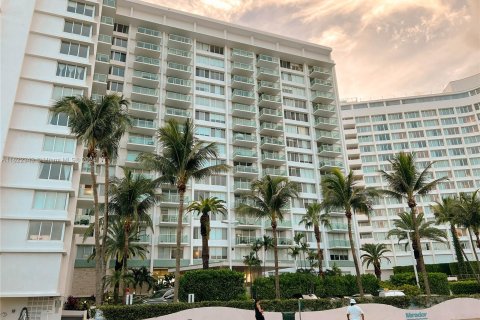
[258, 310]
[354, 312]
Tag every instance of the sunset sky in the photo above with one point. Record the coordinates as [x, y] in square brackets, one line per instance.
[382, 48]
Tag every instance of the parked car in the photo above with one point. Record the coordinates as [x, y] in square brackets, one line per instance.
[391, 293]
[161, 296]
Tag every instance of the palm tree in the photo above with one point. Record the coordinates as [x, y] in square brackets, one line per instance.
[340, 193]
[469, 215]
[294, 253]
[204, 207]
[91, 123]
[270, 196]
[115, 279]
[374, 255]
[267, 244]
[257, 245]
[184, 157]
[304, 249]
[251, 261]
[314, 218]
[407, 182]
[142, 276]
[446, 212]
[297, 238]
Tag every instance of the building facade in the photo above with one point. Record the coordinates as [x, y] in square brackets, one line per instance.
[269, 102]
[442, 127]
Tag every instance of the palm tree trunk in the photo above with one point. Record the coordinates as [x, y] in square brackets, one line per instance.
[105, 218]
[473, 248]
[319, 251]
[419, 254]
[477, 237]
[264, 260]
[98, 249]
[378, 272]
[204, 227]
[181, 193]
[275, 257]
[116, 287]
[462, 268]
[354, 255]
[125, 254]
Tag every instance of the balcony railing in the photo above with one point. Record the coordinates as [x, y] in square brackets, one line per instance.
[173, 198]
[242, 185]
[179, 82]
[268, 140]
[274, 172]
[178, 96]
[177, 112]
[273, 156]
[327, 121]
[244, 122]
[148, 32]
[106, 20]
[244, 153]
[339, 243]
[245, 239]
[327, 148]
[247, 80]
[321, 94]
[243, 107]
[179, 66]
[270, 112]
[272, 126]
[102, 57]
[171, 238]
[172, 218]
[321, 82]
[245, 169]
[110, 3]
[145, 75]
[244, 137]
[282, 241]
[98, 77]
[268, 84]
[105, 38]
[331, 163]
[323, 107]
[243, 93]
[267, 71]
[143, 123]
[179, 53]
[143, 238]
[328, 134]
[145, 91]
[270, 98]
[181, 39]
[243, 66]
[148, 46]
[148, 141]
[338, 226]
[248, 202]
[249, 221]
[320, 70]
[242, 53]
[147, 60]
[143, 106]
[264, 57]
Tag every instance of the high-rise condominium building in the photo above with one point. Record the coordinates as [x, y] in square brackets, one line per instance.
[442, 127]
[269, 102]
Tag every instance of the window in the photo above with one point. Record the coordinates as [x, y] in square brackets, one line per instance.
[293, 78]
[435, 143]
[363, 119]
[451, 131]
[307, 187]
[298, 116]
[338, 255]
[385, 157]
[399, 135]
[59, 144]
[364, 139]
[438, 153]
[411, 115]
[464, 109]
[297, 129]
[369, 169]
[115, 86]
[467, 119]
[209, 48]
[301, 172]
[207, 116]
[414, 124]
[291, 65]
[300, 157]
[45, 230]
[449, 121]
[210, 132]
[397, 126]
[430, 123]
[295, 103]
[363, 129]
[372, 180]
[471, 140]
[55, 171]
[209, 74]
[416, 134]
[418, 144]
[454, 141]
[118, 56]
[470, 129]
[429, 113]
[434, 133]
[59, 119]
[209, 102]
[473, 150]
[210, 88]
[446, 111]
[367, 148]
[378, 118]
[456, 152]
[79, 28]
[460, 162]
[84, 252]
[368, 158]
[384, 147]
[380, 127]
[117, 71]
[293, 90]
[462, 173]
[298, 143]
[74, 49]
[80, 8]
[70, 71]
[119, 42]
[400, 145]
[209, 61]
[395, 116]
[59, 92]
[44, 200]
[120, 28]
[382, 137]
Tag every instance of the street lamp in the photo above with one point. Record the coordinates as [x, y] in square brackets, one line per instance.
[230, 223]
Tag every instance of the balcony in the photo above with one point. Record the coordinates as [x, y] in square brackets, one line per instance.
[326, 123]
[324, 110]
[274, 158]
[339, 244]
[266, 100]
[243, 96]
[172, 199]
[100, 80]
[144, 94]
[85, 169]
[106, 25]
[178, 114]
[320, 72]
[179, 70]
[242, 55]
[147, 49]
[243, 201]
[338, 227]
[109, 6]
[104, 43]
[264, 60]
[329, 165]
[242, 82]
[171, 239]
[271, 128]
[142, 109]
[102, 62]
[143, 238]
[141, 143]
[274, 172]
[145, 126]
[244, 125]
[270, 114]
[179, 85]
[244, 155]
[248, 223]
[146, 64]
[241, 187]
[245, 171]
[240, 68]
[270, 143]
[243, 110]
[285, 224]
[268, 87]
[146, 34]
[172, 219]
[282, 241]
[326, 150]
[245, 240]
[320, 84]
[178, 99]
[178, 55]
[143, 78]
[268, 74]
[179, 42]
[132, 159]
[327, 136]
[322, 97]
[244, 140]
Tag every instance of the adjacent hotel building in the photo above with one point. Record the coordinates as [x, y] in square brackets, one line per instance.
[269, 102]
[442, 127]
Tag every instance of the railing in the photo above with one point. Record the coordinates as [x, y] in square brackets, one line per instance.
[328, 134]
[143, 123]
[177, 112]
[148, 60]
[245, 169]
[83, 220]
[242, 185]
[145, 91]
[321, 94]
[244, 153]
[178, 96]
[179, 66]
[274, 172]
[324, 107]
[110, 3]
[278, 142]
[143, 238]
[322, 82]
[273, 156]
[281, 241]
[270, 125]
[179, 53]
[105, 38]
[268, 84]
[102, 57]
[248, 202]
[331, 163]
[171, 238]
[338, 226]
[145, 75]
[243, 66]
[148, 32]
[268, 71]
[106, 20]
[132, 157]
[270, 112]
[97, 97]
[284, 223]
[339, 243]
[173, 198]
[148, 46]
[141, 140]
[99, 77]
[330, 121]
[244, 137]
[242, 53]
[172, 218]
[244, 122]
[320, 70]
[245, 239]
[264, 57]
[143, 106]
[249, 221]
[179, 82]
[270, 98]
[243, 79]
[243, 107]
[243, 93]
[336, 149]
[177, 38]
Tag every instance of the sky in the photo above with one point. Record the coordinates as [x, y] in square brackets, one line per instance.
[382, 48]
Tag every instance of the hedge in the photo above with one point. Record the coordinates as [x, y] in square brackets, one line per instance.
[213, 285]
[465, 287]
[439, 267]
[140, 312]
[454, 267]
[438, 281]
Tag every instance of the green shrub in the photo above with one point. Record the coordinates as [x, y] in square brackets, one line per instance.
[370, 284]
[410, 290]
[438, 281]
[291, 284]
[465, 287]
[340, 286]
[387, 285]
[439, 267]
[399, 279]
[212, 285]
[454, 268]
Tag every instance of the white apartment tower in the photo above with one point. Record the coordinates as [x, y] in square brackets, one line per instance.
[442, 127]
[269, 102]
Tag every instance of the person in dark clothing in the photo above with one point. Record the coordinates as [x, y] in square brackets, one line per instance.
[258, 310]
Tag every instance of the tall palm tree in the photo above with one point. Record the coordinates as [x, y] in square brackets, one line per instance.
[204, 207]
[141, 277]
[267, 244]
[183, 157]
[91, 122]
[304, 248]
[407, 182]
[469, 215]
[340, 193]
[446, 212]
[374, 253]
[294, 253]
[298, 240]
[314, 218]
[270, 196]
